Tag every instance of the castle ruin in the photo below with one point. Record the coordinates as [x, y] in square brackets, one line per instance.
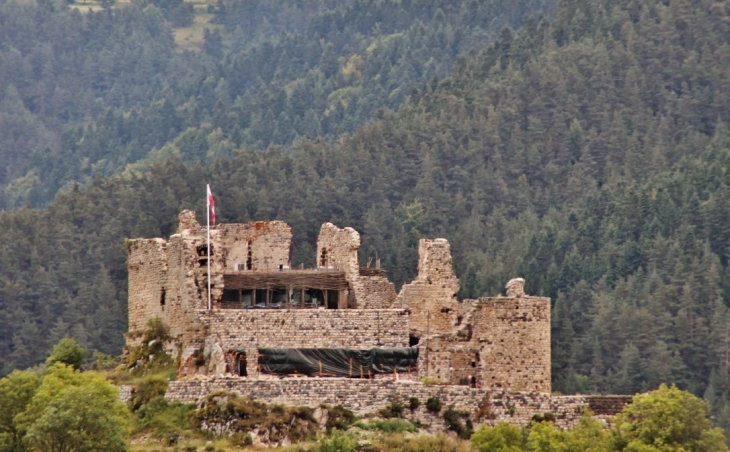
[339, 333]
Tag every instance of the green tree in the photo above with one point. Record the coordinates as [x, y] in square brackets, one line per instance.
[69, 352]
[503, 437]
[79, 420]
[666, 420]
[16, 391]
[74, 411]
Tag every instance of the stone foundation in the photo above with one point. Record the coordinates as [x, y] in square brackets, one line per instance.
[484, 406]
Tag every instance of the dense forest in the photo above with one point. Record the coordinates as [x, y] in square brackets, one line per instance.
[586, 150]
[88, 94]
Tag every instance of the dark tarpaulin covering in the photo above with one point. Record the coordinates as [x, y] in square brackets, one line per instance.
[338, 362]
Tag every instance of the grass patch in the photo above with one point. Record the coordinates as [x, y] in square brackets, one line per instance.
[388, 426]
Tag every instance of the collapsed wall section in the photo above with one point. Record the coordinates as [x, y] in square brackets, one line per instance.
[337, 249]
[431, 297]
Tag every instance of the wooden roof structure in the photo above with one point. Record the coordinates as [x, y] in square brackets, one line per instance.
[324, 279]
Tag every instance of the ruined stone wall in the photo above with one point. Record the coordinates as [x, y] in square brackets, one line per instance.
[366, 396]
[266, 242]
[431, 297]
[337, 248]
[249, 329]
[513, 337]
[186, 286]
[449, 360]
[376, 292]
[147, 267]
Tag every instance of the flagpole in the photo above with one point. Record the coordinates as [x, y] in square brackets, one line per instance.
[207, 217]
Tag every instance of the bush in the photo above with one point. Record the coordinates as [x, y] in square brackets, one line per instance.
[68, 352]
[148, 389]
[670, 419]
[503, 437]
[421, 443]
[338, 418]
[337, 441]
[453, 419]
[394, 410]
[413, 404]
[433, 405]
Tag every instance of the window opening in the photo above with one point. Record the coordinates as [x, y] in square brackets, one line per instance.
[323, 258]
[249, 256]
[162, 298]
[241, 364]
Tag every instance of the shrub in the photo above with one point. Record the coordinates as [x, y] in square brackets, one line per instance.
[68, 352]
[433, 404]
[503, 437]
[545, 417]
[337, 441]
[339, 418]
[413, 404]
[394, 410]
[453, 419]
[147, 389]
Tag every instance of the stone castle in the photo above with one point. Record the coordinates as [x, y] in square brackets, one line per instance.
[284, 335]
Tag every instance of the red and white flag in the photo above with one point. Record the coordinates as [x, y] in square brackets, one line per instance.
[211, 206]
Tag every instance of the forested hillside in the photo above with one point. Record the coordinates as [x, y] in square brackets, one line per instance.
[588, 154]
[87, 94]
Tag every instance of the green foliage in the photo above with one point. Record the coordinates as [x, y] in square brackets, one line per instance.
[668, 419]
[150, 355]
[147, 389]
[433, 405]
[388, 426]
[16, 392]
[229, 413]
[338, 417]
[70, 410]
[604, 186]
[165, 421]
[413, 404]
[421, 443]
[503, 437]
[337, 441]
[393, 410]
[68, 352]
[459, 422]
[588, 436]
[102, 361]
[79, 419]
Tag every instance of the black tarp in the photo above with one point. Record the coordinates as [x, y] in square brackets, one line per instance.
[337, 362]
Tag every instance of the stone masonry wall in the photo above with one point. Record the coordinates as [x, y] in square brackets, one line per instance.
[269, 243]
[337, 248]
[249, 329]
[431, 297]
[366, 396]
[185, 287]
[449, 360]
[147, 266]
[513, 337]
